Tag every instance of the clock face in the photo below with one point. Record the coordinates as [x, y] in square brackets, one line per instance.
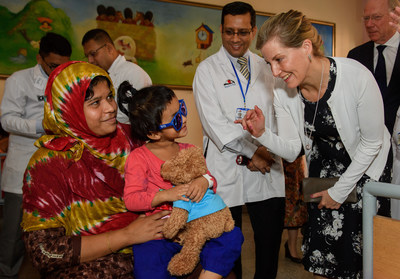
[202, 35]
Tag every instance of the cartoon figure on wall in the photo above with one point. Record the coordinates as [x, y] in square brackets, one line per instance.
[126, 46]
[204, 37]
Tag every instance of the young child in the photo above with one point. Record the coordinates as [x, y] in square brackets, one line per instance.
[159, 118]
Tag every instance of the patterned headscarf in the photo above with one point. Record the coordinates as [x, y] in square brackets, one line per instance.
[76, 178]
[64, 119]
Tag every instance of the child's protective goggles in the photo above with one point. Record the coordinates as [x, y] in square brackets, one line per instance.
[177, 121]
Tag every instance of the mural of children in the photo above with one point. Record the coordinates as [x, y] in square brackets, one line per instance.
[139, 18]
[148, 19]
[101, 13]
[111, 14]
[119, 16]
[128, 14]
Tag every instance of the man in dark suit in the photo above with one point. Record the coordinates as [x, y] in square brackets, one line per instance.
[376, 19]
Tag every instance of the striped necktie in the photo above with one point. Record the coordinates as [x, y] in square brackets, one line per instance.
[244, 69]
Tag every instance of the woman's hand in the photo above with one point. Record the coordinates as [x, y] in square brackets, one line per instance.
[143, 229]
[395, 21]
[253, 121]
[146, 228]
[326, 201]
[197, 189]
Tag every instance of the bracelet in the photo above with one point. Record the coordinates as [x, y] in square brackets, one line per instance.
[108, 244]
[209, 179]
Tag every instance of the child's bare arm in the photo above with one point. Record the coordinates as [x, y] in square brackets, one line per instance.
[170, 195]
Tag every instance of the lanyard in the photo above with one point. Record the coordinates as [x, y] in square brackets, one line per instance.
[240, 84]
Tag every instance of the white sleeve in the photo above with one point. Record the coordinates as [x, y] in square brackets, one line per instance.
[287, 143]
[138, 78]
[13, 110]
[372, 129]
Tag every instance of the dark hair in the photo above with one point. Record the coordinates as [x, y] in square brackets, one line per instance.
[110, 11]
[148, 15]
[89, 92]
[128, 13]
[54, 43]
[99, 35]
[101, 10]
[145, 107]
[239, 8]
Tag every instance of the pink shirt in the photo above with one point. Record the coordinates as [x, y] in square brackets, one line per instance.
[143, 180]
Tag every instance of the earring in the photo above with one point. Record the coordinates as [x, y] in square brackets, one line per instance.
[309, 57]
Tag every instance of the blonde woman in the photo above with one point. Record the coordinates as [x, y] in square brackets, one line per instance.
[332, 109]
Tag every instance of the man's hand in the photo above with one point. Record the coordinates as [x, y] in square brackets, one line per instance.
[262, 160]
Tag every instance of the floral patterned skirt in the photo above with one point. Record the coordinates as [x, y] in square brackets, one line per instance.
[332, 243]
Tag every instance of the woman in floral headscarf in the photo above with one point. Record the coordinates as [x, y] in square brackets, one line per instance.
[74, 219]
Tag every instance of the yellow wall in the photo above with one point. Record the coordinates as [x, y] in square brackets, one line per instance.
[346, 14]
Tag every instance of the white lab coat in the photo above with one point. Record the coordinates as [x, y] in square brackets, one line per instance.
[21, 108]
[217, 95]
[122, 70]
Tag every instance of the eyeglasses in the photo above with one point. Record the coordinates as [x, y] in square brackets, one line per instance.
[241, 33]
[373, 18]
[94, 53]
[177, 121]
[51, 66]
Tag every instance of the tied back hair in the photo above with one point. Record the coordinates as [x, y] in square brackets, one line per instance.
[125, 94]
[145, 107]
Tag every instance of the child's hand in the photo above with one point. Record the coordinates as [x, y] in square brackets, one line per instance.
[177, 193]
[171, 195]
[197, 189]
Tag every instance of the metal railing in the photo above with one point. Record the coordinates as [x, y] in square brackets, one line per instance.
[370, 192]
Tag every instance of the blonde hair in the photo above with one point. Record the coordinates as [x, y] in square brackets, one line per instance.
[291, 28]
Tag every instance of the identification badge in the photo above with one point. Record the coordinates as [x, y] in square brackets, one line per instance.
[240, 113]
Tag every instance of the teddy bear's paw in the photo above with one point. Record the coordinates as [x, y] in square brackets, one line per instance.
[182, 264]
[169, 233]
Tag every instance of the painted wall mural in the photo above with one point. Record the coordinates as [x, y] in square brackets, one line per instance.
[167, 38]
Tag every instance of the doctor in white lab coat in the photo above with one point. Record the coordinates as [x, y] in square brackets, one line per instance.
[223, 94]
[21, 115]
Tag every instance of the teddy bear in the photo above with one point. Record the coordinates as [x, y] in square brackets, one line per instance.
[184, 224]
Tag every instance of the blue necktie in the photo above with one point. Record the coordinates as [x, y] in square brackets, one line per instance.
[380, 70]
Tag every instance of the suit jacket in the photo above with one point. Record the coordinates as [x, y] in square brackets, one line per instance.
[391, 98]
